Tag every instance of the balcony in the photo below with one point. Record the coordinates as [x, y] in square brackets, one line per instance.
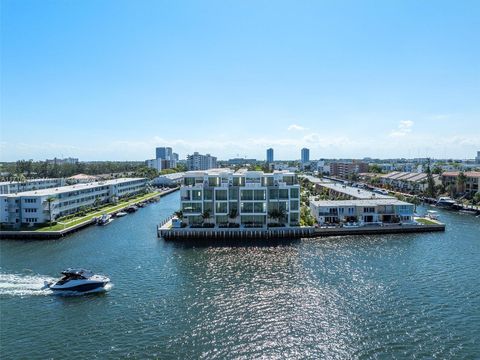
[253, 185]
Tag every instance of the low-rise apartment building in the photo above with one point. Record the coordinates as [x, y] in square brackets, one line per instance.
[408, 181]
[471, 183]
[344, 169]
[361, 211]
[11, 187]
[39, 206]
[174, 179]
[246, 198]
[339, 190]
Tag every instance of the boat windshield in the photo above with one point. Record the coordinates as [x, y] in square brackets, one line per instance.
[69, 277]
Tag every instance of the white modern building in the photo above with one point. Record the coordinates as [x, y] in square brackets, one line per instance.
[362, 211]
[174, 179]
[39, 206]
[282, 166]
[201, 162]
[244, 198]
[339, 190]
[11, 187]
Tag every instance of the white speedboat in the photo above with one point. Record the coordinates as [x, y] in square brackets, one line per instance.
[105, 219]
[78, 280]
[121, 213]
[445, 201]
[432, 214]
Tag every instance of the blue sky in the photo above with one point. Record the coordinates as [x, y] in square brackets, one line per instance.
[113, 79]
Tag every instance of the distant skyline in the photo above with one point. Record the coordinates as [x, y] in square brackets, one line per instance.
[113, 80]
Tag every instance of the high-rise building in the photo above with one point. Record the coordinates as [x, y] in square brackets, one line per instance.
[477, 159]
[164, 153]
[269, 155]
[305, 155]
[201, 162]
[165, 158]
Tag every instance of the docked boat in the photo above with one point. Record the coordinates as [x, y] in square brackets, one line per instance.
[432, 214]
[105, 219]
[445, 202]
[78, 280]
[131, 209]
[121, 213]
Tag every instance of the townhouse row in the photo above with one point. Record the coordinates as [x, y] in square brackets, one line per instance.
[246, 198]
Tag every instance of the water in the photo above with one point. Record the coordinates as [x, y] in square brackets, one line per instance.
[380, 297]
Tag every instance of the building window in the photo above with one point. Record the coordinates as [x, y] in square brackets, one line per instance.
[221, 194]
[246, 194]
[294, 193]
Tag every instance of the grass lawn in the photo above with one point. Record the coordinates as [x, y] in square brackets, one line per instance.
[108, 210]
[426, 221]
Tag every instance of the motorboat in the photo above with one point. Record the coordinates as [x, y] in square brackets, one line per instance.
[432, 214]
[121, 213]
[445, 201]
[78, 280]
[131, 209]
[105, 219]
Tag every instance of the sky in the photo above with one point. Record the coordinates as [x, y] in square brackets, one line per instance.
[111, 80]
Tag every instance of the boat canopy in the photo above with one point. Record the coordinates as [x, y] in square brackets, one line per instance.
[78, 272]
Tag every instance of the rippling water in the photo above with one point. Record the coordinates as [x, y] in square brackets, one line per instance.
[380, 297]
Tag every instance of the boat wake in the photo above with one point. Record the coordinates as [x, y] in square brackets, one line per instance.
[35, 285]
[24, 285]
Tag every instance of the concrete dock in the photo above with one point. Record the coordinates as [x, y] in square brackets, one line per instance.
[165, 231]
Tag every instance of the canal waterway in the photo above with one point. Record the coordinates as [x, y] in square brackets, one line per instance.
[383, 297]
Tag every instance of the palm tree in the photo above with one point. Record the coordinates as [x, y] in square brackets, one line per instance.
[179, 214]
[49, 200]
[277, 214]
[96, 203]
[233, 214]
[461, 180]
[206, 215]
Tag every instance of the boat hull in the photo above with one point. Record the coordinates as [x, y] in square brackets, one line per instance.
[79, 288]
[80, 285]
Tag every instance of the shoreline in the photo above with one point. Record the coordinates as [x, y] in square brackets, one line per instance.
[57, 234]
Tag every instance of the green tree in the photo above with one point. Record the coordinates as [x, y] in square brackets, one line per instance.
[430, 182]
[375, 168]
[233, 214]
[461, 180]
[179, 214]
[206, 216]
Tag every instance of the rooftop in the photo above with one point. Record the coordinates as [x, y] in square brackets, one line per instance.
[28, 181]
[363, 202]
[474, 174]
[240, 172]
[66, 189]
[353, 191]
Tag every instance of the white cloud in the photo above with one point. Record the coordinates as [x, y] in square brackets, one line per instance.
[404, 128]
[295, 127]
